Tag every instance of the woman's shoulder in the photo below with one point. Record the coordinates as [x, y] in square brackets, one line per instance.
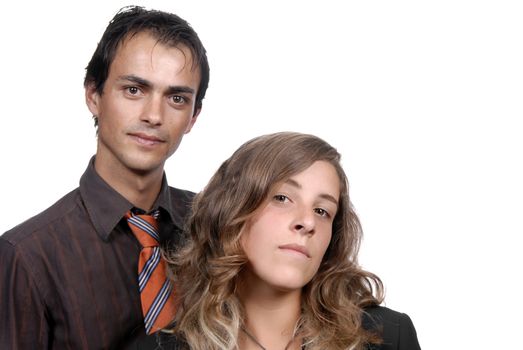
[396, 328]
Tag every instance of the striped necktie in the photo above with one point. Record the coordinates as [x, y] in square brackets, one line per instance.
[156, 291]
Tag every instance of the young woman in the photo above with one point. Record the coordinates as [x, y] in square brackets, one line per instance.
[270, 260]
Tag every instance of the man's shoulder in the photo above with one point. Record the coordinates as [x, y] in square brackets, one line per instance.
[180, 203]
[181, 195]
[41, 222]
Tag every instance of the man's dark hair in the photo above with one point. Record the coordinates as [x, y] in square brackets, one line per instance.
[168, 28]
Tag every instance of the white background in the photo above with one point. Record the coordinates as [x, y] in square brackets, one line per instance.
[422, 98]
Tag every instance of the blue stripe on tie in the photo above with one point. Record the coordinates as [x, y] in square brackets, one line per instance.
[157, 305]
[148, 268]
[145, 226]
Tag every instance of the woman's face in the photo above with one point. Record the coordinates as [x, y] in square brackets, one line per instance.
[287, 237]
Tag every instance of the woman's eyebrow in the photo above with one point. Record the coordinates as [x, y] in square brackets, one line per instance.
[326, 196]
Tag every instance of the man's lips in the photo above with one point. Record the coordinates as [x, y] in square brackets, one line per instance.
[145, 138]
[297, 248]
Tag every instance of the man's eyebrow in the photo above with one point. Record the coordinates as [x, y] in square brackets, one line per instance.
[179, 89]
[135, 79]
[323, 195]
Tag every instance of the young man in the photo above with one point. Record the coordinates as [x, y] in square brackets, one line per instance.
[69, 276]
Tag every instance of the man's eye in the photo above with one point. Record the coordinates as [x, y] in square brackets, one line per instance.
[133, 90]
[178, 99]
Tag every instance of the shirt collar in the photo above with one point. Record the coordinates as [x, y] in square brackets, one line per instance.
[106, 207]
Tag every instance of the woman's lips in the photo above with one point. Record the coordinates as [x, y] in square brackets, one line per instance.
[297, 248]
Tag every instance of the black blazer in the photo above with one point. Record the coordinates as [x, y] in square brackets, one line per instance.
[395, 328]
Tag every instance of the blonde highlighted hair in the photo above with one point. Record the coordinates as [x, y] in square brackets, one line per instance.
[206, 270]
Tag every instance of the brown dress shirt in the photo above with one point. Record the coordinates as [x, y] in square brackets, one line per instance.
[68, 276]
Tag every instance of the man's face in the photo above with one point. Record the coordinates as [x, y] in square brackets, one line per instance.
[147, 105]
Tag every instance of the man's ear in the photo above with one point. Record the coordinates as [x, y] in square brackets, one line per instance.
[92, 99]
[193, 120]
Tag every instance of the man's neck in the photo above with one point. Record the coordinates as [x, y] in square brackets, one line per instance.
[139, 189]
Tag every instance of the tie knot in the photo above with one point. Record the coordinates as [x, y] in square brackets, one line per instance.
[144, 227]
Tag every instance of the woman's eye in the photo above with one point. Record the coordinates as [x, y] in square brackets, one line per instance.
[322, 212]
[280, 198]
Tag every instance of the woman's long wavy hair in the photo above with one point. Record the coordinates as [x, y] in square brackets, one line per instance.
[206, 270]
